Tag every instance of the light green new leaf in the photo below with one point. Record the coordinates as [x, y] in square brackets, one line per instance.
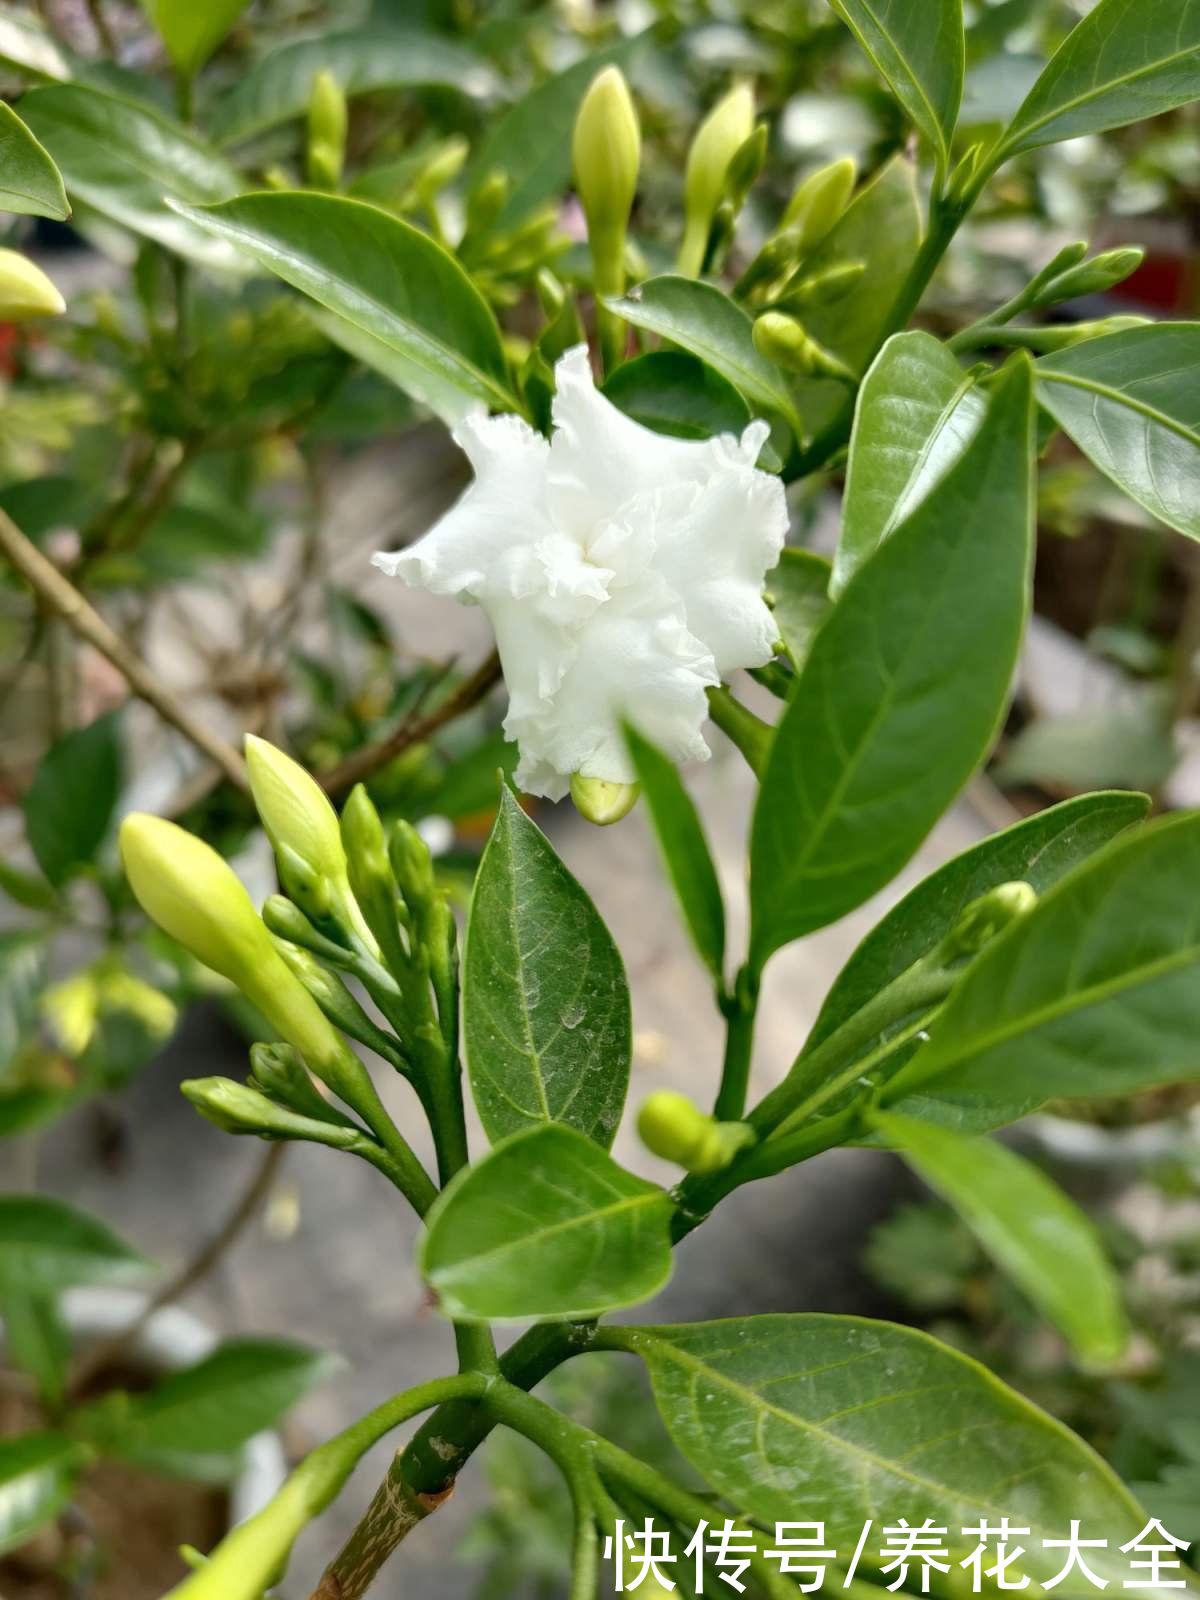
[841, 1417]
[125, 161]
[676, 394]
[546, 1018]
[277, 88]
[30, 183]
[1131, 402]
[400, 302]
[28, 48]
[903, 689]
[684, 849]
[192, 31]
[705, 321]
[46, 1245]
[1096, 992]
[1034, 1233]
[37, 1342]
[916, 413]
[918, 47]
[798, 593]
[1125, 61]
[70, 803]
[546, 1226]
[37, 1473]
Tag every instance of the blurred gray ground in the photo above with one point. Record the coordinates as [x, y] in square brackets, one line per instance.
[331, 1261]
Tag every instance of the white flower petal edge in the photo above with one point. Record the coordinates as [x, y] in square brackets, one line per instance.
[621, 570]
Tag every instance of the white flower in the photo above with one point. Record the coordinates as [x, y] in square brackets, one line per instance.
[621, 570]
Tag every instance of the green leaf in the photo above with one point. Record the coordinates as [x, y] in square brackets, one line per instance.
[546, 1226]
[706, 322]
[1096, 992]
[546, 1018]
[918, 47]
[1124, 62]
[684, 849]
[124, 160]
[22, 979]
[37, 1341]
[865, 1416]
[798, 592]
[70, 803]
[1131, 403]
[902, 691]
[46, 1245]
[192, 32]
[400, 302]
[1029, 1227]
[30, 183]
[677, 394]
[37, 1473]
[28, 48]
[28, 889]
[277, 88]
[917, 411]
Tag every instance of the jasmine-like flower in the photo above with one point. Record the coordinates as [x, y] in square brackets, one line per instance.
[622, 572]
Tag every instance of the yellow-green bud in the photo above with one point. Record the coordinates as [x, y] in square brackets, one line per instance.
[606, 151]
[327, 122]
[746, 165]
[984, 918]
[486, 201]
[718, 139]
[777, 259]
[338, 1004]
[412, 864]
[1096, 276]
[784, 341]
[670, 1126]
[280, 1074]
[819, 201]
[601, 801]
[25, 290]
[237, 1108]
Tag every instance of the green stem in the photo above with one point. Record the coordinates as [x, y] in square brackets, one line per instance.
[749, 733]
[741, 1009]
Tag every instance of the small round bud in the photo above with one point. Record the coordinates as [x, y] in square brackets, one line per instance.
[601, 801]
[784, 340]
[327, 122]
[819, 201]
[987, 916]
[606, 152]
[25, 290]
[718, 140]
[670, 1126]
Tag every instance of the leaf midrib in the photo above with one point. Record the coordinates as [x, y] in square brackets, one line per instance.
[450, 1273]
[914, 79]
[1120, 397]
[1009, 146]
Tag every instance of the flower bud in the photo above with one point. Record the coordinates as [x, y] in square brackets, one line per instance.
[718, 139]
[486, 201]
[962, 175]
[371, 878]
[670, 1126]
[783, 340]
[746, 165]
[237, 1108]
[25, 290]
[280, 1074]
[819, 201]
[1096, 276]
[777, 259]
[327, 121]
[412, 864]
[822, 288]
[601, 801]
[984, 918]
[606, 151]
[338, 1004]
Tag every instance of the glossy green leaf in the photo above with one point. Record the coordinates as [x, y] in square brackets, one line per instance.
[798, 593]
[46, 1245]
[918, 48]
[403, 304]
[1131, 403]
[22, 979]
[546, 1226]
[677, 394]
[1033, 1232]
[277, 87]
[30, 183]
[125, 160]
[70, 803]
[28, 48]
[37, 1473]
[902, 691]
[864, 1416]
[191, 31]
[1096, 992]
[684, 849]
[546, 1017]
[1124, 62]
[37, 1341]
[916, 413]
[705, 322]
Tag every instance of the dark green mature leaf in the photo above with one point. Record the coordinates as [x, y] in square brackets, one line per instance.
[1034, 1233]
[1131, 403]
[37, 1341]
[22, 979]
[1095, 992]
[37, 1472]
[30, 183]
[192, 32]
[70, 803]
[841, 1417]
[546, 1226]
[902, 691]
[918, 47]
[706, 322]
[1123, 62]
[125, 159]
[400, 302]
[546, 1016]
[677, 394]
[46, 1245]
[277, 87]
[917, 411]
[798, 593]
[684, 848]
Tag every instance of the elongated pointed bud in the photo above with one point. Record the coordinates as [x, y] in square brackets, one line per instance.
[371, 877]
[601, 801]
[746, 165]
[670, 1126]
[606, 152]
[822, 288]
[785, 341]
[278, 1072]
[1097, 276]
[25, 290]
[777, 260]
[486, 201]
[718, 139]
[413, 865]
[237, 1108]
[987, 916]
[819, 201]
[338, 1004]
[327, 122]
